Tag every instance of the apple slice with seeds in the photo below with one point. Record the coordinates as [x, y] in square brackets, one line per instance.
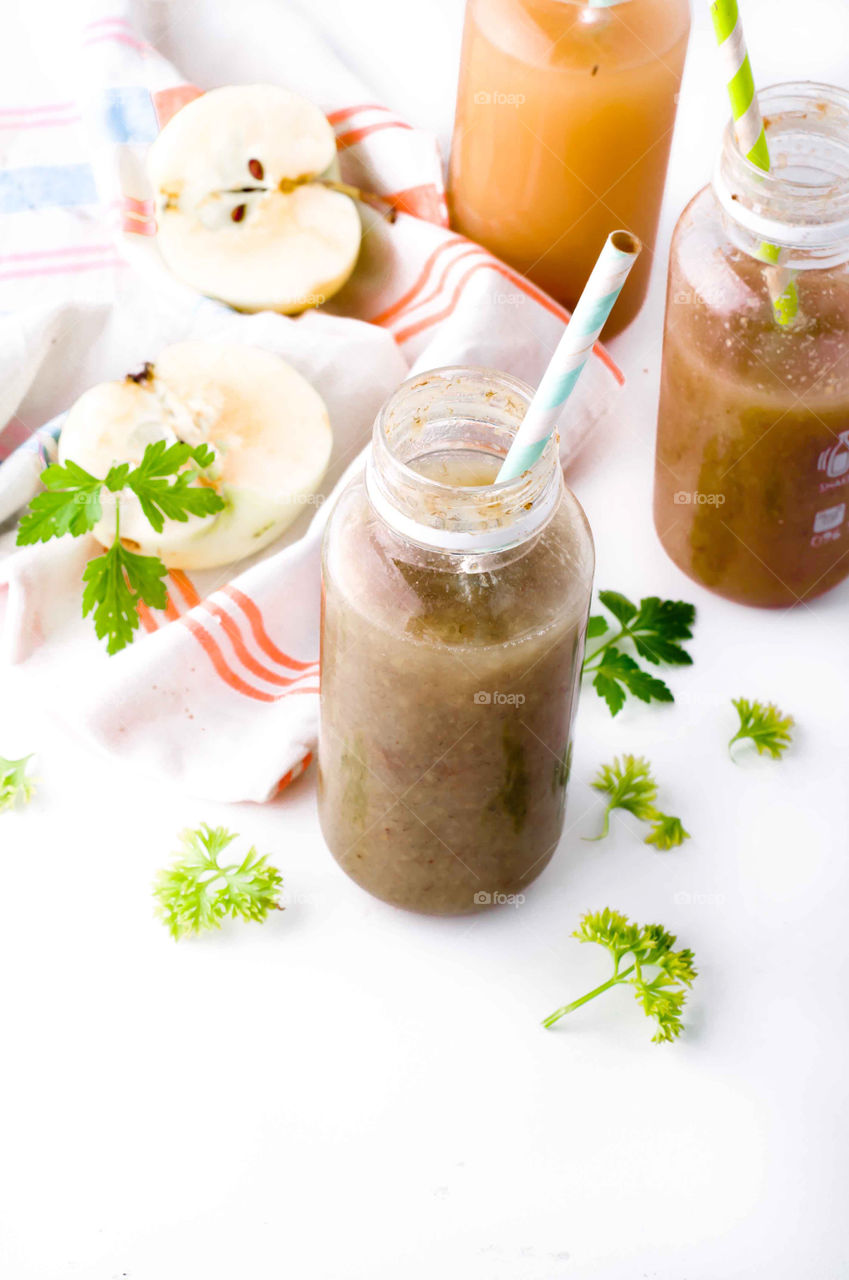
[268, 427]
[245, 206]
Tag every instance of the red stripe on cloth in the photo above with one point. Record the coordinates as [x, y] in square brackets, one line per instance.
[345, 113]
[135, 227]
[53, 122]
[132, 205]
[295, 772]
[185, 586]
[34, 110]
[421, 281]
[116, 21]
[259, 632]
[419, 327]
[33, 254]
[425, 201]
[242, 652]
[217, 659]
[13, 434]
[474, 251]
[146, 617]
[350, 139]
[167, 102]
[64, 269]
[115, 37]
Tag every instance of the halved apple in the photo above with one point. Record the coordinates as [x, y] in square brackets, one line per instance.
[268, 427]
[242, 211]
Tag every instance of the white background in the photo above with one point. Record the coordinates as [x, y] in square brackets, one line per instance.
[352, 1093]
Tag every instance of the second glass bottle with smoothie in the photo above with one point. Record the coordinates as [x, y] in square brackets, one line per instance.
[752, 477]
[565, 113]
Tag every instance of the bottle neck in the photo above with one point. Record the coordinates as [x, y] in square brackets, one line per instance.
[457, 416]
[802, 204]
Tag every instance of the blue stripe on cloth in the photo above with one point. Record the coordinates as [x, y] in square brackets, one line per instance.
[46, 185]
[128, 114]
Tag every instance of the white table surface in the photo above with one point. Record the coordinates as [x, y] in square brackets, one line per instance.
[352, 1093]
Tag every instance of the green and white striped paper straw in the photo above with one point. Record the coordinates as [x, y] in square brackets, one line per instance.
[751, 136]
[560, 378]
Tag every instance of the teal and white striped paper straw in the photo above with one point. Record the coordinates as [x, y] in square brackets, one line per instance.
[560, 378]
[751, 137]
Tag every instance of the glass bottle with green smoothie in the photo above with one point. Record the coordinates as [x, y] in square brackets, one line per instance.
[453, 627]
[752, 475]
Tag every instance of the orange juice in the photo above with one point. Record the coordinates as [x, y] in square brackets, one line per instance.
[564, 122]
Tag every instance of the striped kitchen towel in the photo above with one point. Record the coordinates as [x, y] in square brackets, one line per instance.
[219, 691]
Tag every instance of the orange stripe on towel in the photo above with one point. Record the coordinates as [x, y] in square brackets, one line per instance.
[185, 586]
[353, 136]
[167, 102]
[419, 284]
[216, 657]
[231, 630]
[146, 618]
[345, 113]
[426, 201]
[259, 632]
[472, 252]
[295, 771]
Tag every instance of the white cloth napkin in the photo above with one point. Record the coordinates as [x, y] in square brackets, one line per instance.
[219, 692]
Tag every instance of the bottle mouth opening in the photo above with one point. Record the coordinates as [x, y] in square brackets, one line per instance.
[803, 201]
[449, 411]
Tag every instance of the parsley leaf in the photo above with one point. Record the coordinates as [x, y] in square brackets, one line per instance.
[765, 725]
[662, 995]
[15, 786]
[114, 584]
[617, 673]
[654, 628]
[200, 890]
[630, 786]
[71, 504]
[118, 580]
[164, 499]
[657, 626]
[666, 833]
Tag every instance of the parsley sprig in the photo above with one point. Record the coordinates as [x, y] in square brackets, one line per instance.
[118, 580]
[653, 629]
[648, 947]
[629, 785]
[15, 786]
[765, 725]
[200, 890]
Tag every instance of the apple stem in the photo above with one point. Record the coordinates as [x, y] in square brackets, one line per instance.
[365, 197]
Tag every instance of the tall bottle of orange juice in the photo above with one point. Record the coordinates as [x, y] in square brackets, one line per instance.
[564, 121]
